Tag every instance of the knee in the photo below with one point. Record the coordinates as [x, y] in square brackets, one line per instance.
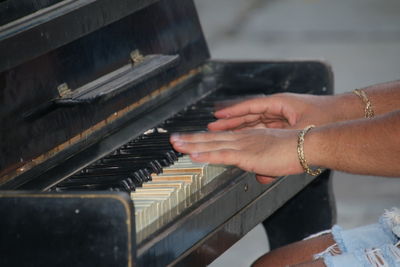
[298, 252]
[262, 262]
[270, 259]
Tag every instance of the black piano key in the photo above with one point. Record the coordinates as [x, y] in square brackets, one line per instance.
[129, 162]
[61, 188]
[101, 179]
[125, 186]
[145, 173]
[145, 148]
[101, 183]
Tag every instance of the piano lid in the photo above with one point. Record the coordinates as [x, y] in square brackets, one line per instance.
[31, 28]
[13, 10]
[76, 70]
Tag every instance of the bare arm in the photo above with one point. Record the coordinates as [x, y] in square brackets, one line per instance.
[363, 146]
[385, 97]
[296, 111]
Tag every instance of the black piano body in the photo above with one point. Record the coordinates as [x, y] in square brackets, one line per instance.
[78, 80]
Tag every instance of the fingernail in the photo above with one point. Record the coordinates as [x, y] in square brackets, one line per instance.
[222, 114]
[175, 137]
[179, 143]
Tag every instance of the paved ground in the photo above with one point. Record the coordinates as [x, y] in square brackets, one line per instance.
[359, 38]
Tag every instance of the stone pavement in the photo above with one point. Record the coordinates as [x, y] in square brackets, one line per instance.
[359, 38]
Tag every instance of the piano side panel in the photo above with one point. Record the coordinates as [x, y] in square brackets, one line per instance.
[307, 76]
[89, 229]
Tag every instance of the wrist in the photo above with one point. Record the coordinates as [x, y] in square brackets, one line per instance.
[346, 106]
[316, 147]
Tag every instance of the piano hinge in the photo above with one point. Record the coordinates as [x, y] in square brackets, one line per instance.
[63, 90]
[136, 57]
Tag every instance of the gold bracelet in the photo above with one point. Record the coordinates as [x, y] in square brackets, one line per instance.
[368, 111]
[300, 152]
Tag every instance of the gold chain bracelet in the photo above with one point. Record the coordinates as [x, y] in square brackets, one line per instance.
[368, 111]
[300, 152]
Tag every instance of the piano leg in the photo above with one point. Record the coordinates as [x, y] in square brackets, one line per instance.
[313, 209]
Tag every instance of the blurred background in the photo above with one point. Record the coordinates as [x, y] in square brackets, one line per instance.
[361, 41]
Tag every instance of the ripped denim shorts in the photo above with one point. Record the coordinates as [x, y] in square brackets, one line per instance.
[376, 245]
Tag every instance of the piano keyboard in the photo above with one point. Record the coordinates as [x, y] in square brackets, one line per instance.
[169, 193]
[160, 181]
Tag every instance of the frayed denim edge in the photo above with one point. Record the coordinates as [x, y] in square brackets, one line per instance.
[329, 231]
[328, 260]
[389, 256]
[337, 236]
[383, 222]
[361, 256]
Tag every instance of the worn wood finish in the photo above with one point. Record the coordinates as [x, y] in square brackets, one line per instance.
[173, 29]
[11, 10]
[37, 33]
[86, 229]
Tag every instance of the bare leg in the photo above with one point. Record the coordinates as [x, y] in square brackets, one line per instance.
[296, 253]
[315, 263]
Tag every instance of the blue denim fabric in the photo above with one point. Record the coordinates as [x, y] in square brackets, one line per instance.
[371, 245]
[369, 236]
[360, 258]
[343, 260]
[388, 251]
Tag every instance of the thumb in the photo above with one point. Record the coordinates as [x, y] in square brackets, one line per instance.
[265, 179]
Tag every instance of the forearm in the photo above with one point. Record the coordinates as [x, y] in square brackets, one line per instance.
[360, 146]
[384, 98]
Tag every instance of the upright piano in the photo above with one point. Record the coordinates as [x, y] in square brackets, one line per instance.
[90, 91]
